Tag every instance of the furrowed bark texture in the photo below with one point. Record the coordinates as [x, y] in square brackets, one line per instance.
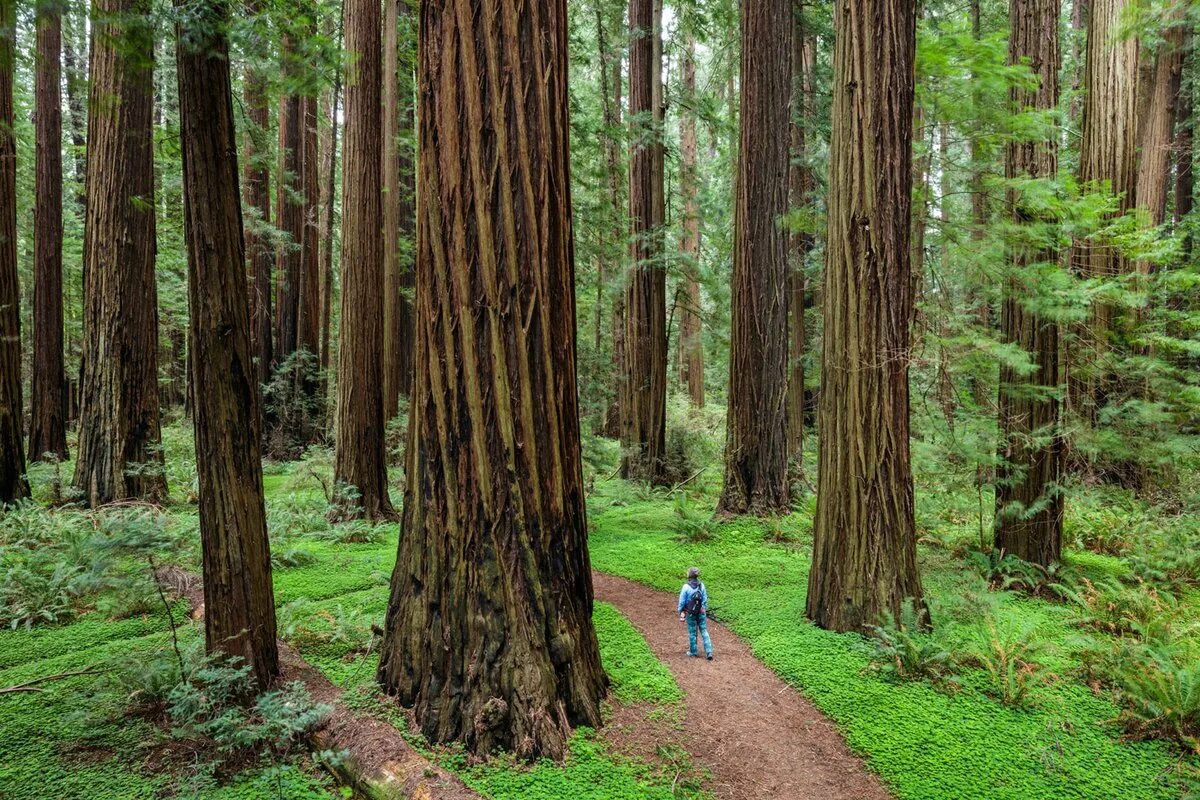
[330, 165]
[1029, 505]
[644, 378]
[13, 485]
[756, 446]
[308, 326]
[489, 634]
[691, 346]
[399, 207]
[48, 423]
[864, 552]
[359, 456]
[119, 456]
[239, 601]
[1107, 153]
[259, 249]
[802, 183]
[1156, 127]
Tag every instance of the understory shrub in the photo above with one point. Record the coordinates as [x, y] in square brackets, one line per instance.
[1010, 658]
[903, 649]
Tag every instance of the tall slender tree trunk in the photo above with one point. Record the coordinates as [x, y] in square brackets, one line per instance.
[74, 16]
[289, 210]
[399, 206]
[1185, 156]
[756, 446]
[864, 551]
[330, 215]
[1029, 504]
[258, 197]
[239, 601]
[1156, 125]
[308, 329]
[48, 426]
[13, 485]
[359, 458]
[979, 212]
[644, 379]
[1107, 154]
[119, 456]
[801, 185]
[691, 346]
[489, 631]
[612, 121]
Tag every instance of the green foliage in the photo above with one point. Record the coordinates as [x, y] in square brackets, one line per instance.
[1158, 686]
[1007, 572]
[689, 523]
[1011, 659]
[635, 674]
[903, 648]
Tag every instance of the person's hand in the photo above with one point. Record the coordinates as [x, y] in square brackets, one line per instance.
[681, 616]
[704, 611]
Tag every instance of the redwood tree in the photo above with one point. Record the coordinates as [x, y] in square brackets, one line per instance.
[643, 404]
[799, 196]
[239, 600]
[48, 426]
[864, 550]
[258, 197]
[756, 447]
[1029, 506]
[691, 346]
[489, 630]
[119, 456]
[359, 457]
[12, 445]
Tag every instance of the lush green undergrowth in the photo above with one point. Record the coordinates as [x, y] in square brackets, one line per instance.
[1005, 707]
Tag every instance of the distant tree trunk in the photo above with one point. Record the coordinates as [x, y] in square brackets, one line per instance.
[1029, 505]
[864, 553]
[691, 346]
[289, 210]
[330, 166]
[258, 197]
[756, 445]
[359, 458]
[947, 401]
[489, 634]
[13, 485]
[1185, 156]
[1107, 153]
[239, 601]
[1156, 125]
[612, 120]
[76, 81]
[979, 211]
[644, 379]
[119, 456]
[801, 185]
[48, 426]
[308, 330]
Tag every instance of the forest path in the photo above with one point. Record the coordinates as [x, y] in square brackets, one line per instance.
[758, 736]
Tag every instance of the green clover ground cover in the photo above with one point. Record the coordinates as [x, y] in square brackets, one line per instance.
[926, 744]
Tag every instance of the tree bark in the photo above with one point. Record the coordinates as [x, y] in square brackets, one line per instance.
[119, 456]
[359, 457]
[864, 552]
[644, 379]
[979, 211]
[611, 60]
[691, 346]
[258, 197]
[1029, 504]
[308, 330]
[239, 602]
[289, 209]
[330, 213]
[756, 445]
[1156, 126]
[48, 424]
[76, 81]
[489, 634]
[802, 183]
[1107, 154]
[13, 485]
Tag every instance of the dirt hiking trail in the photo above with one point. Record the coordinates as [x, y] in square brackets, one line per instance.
[758, 737]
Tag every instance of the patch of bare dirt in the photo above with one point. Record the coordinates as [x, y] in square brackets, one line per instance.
[757, 736]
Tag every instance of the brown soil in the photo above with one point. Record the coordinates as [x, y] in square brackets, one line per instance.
[757, 736]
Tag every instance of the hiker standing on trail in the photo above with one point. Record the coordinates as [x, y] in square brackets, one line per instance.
[693, 608]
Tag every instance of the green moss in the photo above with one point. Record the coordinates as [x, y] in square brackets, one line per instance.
[925, 744]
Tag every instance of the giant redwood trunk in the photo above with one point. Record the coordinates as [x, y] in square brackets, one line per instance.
[258, 197]
[864, 549]
[1029, 505]
[48, 425]
[13, 485]
[802, 183]
[239, 617]
[691, 346]
[643, 403]
[359, 456]
[756, 445]
[399, 206]
[489, 629]
[119, 456]
[1107, 154]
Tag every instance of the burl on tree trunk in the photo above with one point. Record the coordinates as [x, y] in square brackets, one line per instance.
[489, 631]
[864, 551]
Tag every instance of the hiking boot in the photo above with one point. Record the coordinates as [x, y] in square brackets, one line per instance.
[709, 656]
[691, 655]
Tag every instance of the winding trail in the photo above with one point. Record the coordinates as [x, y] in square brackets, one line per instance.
[758, 737]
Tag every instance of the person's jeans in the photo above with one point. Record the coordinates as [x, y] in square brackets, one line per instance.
[694, 622]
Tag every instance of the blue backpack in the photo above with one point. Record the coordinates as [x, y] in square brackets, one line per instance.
[695, 603]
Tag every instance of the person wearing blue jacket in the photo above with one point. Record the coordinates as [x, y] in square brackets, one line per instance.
[693, 608]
